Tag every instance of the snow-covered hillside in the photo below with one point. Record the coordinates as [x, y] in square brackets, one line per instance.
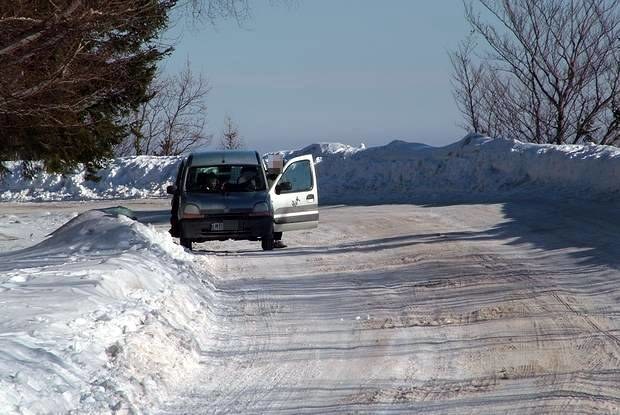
[104, 315]
[474, 167]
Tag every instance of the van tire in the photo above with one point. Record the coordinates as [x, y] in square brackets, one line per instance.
[267, 243]
[186, 243]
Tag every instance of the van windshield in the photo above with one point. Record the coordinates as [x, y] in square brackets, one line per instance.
[225, 178]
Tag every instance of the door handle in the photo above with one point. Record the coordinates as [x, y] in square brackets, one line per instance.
[310, 197]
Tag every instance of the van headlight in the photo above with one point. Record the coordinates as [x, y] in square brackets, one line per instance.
[261, 209]
[191, 211]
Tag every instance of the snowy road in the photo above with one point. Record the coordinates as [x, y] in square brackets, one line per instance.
[495, 308]
[481, 309]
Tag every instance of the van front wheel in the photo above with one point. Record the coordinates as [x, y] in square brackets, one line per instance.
[186, 243]
[267, 243]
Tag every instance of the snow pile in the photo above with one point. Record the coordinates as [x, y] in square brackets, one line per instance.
[121, 178]
[474, 167]
[104, 315]
[320, 149]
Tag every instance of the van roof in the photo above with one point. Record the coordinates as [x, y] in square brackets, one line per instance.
[206, 158]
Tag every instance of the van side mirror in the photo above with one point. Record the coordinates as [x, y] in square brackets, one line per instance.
[283, 187]
[172, 189]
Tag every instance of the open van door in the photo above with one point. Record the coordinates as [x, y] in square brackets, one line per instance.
[295, 197]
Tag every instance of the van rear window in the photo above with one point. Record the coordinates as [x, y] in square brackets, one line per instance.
[225, 178]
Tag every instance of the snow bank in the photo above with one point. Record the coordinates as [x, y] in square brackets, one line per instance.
[474, 167]
[122, 178]
[104, 315]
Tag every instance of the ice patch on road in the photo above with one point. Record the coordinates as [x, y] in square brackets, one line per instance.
[105, 315]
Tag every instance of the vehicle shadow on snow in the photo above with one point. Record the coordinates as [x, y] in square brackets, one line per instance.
[587, 231]
[373, 245]
[369, 245]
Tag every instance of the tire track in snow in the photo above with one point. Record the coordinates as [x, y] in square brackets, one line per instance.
[430, 310]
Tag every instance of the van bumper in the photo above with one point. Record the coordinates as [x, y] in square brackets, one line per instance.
[223, 228]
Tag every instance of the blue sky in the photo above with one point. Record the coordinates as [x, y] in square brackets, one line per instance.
[305, 71]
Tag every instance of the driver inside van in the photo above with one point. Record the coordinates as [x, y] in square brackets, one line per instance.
[247, 178]
[210, 182]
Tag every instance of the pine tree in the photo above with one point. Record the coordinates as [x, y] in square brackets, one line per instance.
[73, 70]
[70, 70]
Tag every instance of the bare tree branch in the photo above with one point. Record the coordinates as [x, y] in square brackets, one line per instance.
[551, 73]
[173, 120]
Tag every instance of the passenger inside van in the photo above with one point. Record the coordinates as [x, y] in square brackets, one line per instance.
[207, 182]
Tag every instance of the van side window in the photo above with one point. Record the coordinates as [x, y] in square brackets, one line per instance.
[299, 175]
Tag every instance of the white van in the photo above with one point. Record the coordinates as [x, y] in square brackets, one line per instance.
[220, 195]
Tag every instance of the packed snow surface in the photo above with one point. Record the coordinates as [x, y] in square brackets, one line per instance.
[104, 315]
[487, 308]
[108, 315]
[397, 172]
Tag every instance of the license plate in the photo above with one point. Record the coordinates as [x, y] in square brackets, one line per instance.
[231, 225]
[217, 226]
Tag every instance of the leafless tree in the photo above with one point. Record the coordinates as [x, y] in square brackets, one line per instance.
[550, 73]
[210, 10]
[172, 121]
[231, 139]
[466, 83]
